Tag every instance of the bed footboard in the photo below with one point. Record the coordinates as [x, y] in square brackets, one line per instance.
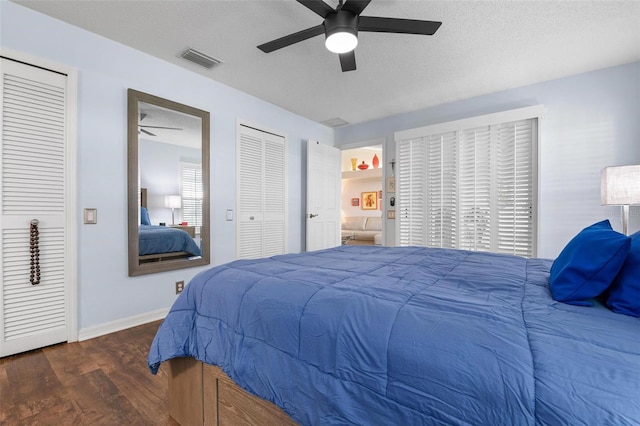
[202, 394]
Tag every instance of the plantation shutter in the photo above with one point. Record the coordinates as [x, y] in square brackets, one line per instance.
[442, 183]
[471, 187]
[191, 193]
[411, 191]
[475, 189]
[33, 182]
[516, 171]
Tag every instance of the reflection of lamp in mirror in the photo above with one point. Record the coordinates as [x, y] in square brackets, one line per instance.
[620, 186]
[173, 202]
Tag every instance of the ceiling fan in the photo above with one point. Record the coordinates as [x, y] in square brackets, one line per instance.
[341, 28]
[142, 128]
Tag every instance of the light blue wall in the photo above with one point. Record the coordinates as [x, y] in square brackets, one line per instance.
[591, 120]
[105, 71]
[160, 174]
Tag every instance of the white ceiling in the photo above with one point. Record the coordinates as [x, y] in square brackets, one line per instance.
[481, 47]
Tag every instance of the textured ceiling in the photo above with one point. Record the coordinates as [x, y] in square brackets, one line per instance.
[481, 47]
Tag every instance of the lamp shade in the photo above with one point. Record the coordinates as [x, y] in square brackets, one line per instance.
[172, 201]
[620, 185]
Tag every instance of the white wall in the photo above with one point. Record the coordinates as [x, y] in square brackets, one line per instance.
[353, 188]
[591, 120]
[105, 71]
[361, 154]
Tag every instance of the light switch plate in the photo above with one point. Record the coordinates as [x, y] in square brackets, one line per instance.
[90, 216]
[229, 214]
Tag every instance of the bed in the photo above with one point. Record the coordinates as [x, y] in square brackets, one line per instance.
[406, 335]
[162, 243]
[164, 240]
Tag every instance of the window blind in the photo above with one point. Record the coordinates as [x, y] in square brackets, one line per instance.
[191, 193]
[470, 187]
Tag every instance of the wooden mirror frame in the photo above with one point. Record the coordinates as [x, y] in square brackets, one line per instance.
[134, 98]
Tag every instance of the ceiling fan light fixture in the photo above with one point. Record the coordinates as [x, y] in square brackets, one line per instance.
[342, 24]
[341, 42]
[340, 29]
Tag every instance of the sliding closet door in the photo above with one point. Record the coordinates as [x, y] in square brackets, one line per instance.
[34, 296]
[261, 229]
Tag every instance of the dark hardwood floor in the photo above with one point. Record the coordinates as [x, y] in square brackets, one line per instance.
[102, 381]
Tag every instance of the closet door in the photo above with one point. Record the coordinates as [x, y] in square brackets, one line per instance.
[34, 290]
[261, 229]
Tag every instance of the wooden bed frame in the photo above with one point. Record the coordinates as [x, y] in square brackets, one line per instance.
[176, 255]
[202, 394]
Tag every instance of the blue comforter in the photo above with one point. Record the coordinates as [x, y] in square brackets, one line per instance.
[408, 335]
[164, 239]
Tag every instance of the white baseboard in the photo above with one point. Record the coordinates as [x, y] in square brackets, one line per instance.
[121, 324]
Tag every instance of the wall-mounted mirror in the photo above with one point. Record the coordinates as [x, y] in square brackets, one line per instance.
[168, 185]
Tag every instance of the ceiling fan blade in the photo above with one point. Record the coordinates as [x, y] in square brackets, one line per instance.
[355, 6]
[291, 39]
[348, 61]
[146, 132]
[397, 25]
[317, 6]
[160, 127]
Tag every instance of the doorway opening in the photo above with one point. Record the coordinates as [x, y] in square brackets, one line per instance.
[362, 196]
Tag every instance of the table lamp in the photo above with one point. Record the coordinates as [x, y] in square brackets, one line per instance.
[173, 202]
[620, 186]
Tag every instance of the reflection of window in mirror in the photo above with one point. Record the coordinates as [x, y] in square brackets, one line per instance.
[191, 193]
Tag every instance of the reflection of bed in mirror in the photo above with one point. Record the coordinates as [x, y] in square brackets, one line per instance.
[162, 243]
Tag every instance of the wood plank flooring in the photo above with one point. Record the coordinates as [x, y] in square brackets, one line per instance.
[102, 381]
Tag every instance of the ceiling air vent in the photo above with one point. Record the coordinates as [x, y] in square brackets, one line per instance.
[200, 58]
[334, 122]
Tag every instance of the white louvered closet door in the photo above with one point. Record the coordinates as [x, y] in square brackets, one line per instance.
[33, 156]
[261, 229]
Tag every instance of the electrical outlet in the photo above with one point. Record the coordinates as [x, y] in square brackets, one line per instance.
[179, 286]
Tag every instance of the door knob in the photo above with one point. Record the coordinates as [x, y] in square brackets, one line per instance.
[311, 215]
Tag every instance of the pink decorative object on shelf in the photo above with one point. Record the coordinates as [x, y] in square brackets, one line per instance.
[375, 161]
[363, 166]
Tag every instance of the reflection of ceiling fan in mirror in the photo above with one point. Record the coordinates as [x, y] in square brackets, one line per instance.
[142, 128]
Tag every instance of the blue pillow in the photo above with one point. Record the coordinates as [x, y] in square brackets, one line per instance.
[588, 264]
[144, 216]
[624, 293]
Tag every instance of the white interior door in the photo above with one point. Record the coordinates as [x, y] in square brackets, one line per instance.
[323, 196]
[35, 291]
